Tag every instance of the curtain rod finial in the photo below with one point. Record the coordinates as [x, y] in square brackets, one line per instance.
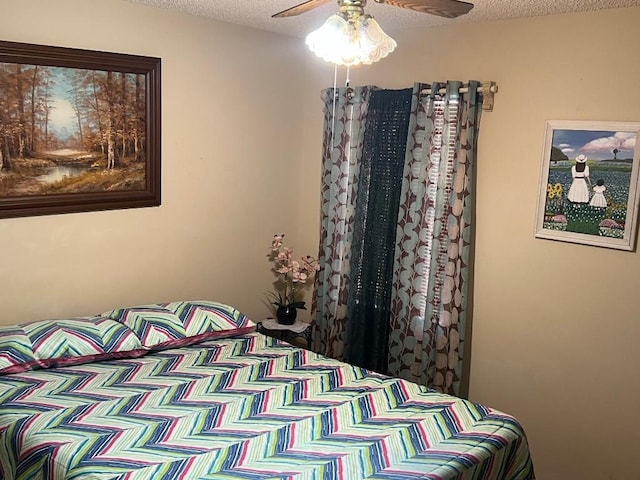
[488, 91]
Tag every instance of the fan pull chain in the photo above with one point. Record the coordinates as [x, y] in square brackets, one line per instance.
[333, 109]
[349, 94]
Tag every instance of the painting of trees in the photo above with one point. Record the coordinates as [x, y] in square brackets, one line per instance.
[107, 108]
[76, 122]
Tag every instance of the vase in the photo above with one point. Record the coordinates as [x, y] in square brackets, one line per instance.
[286, 315]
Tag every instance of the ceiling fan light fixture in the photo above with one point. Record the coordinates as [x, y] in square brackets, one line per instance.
[348, 39]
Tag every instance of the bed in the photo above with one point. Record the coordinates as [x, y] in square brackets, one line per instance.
[123, 396]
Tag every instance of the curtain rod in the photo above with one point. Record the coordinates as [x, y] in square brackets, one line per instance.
[488, 89]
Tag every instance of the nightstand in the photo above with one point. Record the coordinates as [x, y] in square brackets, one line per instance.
[298, 334]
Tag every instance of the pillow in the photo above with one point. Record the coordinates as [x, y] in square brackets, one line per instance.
[16, 353]
[207, 320]
[154, 325]
[121, 333]
[57, 343]
[176, 324]
[79, 337]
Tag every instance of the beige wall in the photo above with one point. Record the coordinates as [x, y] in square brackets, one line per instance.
[229, 103]
[556, 325]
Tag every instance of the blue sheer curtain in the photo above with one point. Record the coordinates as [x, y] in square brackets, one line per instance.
[375, 219]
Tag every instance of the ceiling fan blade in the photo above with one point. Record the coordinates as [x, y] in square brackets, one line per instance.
[299, 9]
[442, 8]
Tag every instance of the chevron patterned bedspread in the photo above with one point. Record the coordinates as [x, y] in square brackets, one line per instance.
[247, 407]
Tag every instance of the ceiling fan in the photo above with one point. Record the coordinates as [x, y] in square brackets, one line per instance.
[352, 37]
[442, 8]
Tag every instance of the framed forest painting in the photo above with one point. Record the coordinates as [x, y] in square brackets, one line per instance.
[79, 130]
[589, 183]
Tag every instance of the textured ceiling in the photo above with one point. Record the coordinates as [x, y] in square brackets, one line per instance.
[257, 13]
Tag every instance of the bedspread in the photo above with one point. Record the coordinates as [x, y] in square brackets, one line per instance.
[247, 407]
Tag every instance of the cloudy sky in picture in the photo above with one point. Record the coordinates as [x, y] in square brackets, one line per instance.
[596, 145]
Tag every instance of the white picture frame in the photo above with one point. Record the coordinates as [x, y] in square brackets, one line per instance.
[588, 191]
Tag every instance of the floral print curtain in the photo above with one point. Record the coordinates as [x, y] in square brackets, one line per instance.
[431, 273]
[431, 282]
[345, 111]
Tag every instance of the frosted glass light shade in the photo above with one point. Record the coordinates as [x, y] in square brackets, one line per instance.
[350, 42]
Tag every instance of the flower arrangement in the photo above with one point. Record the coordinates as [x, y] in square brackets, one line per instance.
[292, 275]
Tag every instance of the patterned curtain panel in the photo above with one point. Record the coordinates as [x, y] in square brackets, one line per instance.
[432, 271]
[344, 116]
[396, 230]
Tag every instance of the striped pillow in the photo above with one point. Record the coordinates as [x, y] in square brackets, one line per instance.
[66, 342]
[57, 343]
[175, 324]
[155, 326]
[121, 333]
[200, 317]
[16, 353]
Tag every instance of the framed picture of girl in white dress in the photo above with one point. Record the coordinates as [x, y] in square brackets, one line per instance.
[589, 183]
